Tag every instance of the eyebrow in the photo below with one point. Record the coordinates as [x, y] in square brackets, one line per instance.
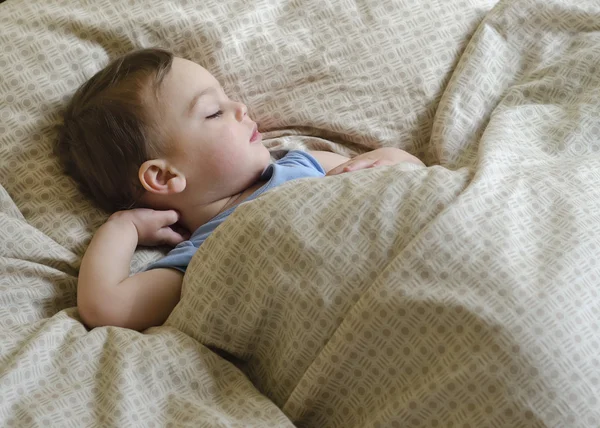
[198, 96]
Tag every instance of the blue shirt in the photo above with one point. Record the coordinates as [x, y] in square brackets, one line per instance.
[295, 164]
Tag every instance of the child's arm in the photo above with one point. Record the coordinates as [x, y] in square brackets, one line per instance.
[377, 157]
[328, 160]
[106, 294]
[334, 164]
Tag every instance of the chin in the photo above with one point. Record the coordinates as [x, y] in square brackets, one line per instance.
[266, 159]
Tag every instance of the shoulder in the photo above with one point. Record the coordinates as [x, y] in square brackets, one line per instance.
[328, 160]
[295, 164]
[302, 159]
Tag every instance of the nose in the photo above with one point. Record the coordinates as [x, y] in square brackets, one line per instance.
[240, 111]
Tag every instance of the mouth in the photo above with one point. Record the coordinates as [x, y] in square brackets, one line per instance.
[255, 135]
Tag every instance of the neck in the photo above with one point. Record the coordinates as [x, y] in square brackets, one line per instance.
[195, 215]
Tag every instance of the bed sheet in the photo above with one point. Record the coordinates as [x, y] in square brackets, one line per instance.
[344, 75]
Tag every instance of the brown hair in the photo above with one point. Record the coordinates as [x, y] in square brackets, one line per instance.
[109, 128]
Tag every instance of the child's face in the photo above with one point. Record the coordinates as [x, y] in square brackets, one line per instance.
[211, 135]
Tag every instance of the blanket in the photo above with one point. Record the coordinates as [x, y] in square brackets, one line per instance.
[457, 295]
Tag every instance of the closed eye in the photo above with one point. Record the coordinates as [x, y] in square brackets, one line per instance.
[214, 116]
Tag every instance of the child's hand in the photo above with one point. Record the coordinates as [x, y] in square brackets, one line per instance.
[378, 157]
[153, 227]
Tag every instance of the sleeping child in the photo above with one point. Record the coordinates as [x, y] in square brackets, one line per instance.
[154, 139]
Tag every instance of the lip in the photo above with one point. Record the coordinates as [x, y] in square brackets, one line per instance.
[255, 135]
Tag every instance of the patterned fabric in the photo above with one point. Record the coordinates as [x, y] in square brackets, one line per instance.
[464, 294]
[459, 296]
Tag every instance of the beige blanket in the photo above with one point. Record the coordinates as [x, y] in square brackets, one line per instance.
[463, 294]
[430, 297]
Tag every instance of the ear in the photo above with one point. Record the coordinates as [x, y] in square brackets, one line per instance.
[158, 177]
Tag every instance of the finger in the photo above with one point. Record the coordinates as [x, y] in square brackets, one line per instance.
[168, 236]
[337, 169]
[181, 230]
[340, 168]
[351, 165]
[359, 164]
[168, 217]
[381, 162]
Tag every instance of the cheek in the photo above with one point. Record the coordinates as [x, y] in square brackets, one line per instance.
[229, 136]
[228, 145]
[220, 154]
[224, 159]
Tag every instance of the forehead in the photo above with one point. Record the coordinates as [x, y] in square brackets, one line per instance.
[185, 72]
[182, 83]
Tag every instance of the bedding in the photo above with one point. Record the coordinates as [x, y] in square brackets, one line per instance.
[462, 294]
[444, 296]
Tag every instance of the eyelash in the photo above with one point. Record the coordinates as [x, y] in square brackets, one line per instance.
[214, 116]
